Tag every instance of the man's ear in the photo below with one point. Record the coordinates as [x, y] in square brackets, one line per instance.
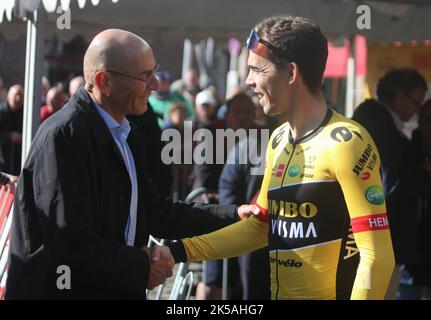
[102, 82]
[292, 72]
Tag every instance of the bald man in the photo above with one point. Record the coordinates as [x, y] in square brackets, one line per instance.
[75, 83]
[55, 99]
[11, 113]
[85, 207]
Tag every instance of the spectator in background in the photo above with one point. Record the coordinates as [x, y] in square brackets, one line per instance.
[4, 179]
[150, 139]
[205, 117]
[11, 117]
[2, 91]
[162, 99]
[206, 175]
[191, 80]
[75, 83]
[238, 184]
[421, 271]
[189, 87]
[46, 85]
[55, 99]
[221, 112]
[400, 93]
[180, 172]
[176, 117]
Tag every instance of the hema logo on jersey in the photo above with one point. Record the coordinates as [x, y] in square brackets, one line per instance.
[370, 223]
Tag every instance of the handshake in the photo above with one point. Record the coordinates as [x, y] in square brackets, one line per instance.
[161, 265]
[162, 261]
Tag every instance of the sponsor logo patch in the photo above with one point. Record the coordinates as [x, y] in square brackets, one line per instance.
[294, 171]
[374, 194]
[370, 223]
[341, 134]
[280, 170]
[366, 175]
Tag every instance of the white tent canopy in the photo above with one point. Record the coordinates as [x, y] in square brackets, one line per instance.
[7, 7]
[395, 20]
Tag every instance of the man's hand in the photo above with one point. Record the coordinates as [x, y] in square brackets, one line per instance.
[161, 265]
[246, 210]
[210, 197]
[162, 253]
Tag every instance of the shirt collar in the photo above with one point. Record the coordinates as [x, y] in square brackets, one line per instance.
[119, 130]
[398, 122]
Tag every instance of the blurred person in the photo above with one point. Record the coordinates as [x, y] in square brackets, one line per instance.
[400, 93]
[11, 119]
[85, 201]
[4, 179]
[180, 172]
[325, 225]
[3, 93]
[191, 79]
[221, 112]
[75, 84]
[238, 184]
[176, 117]
[205, 116]
[46, 85]
[149, 132]
[206, 175]
[162, 99]
[420, 271]
[55, 99]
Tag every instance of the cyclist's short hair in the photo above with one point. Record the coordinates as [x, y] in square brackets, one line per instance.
[302, 41]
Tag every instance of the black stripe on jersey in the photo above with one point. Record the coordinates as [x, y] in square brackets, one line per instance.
[308, 213]
[347, 264]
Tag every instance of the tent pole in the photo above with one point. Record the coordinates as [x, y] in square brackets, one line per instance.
[351, 76]
[33, 77]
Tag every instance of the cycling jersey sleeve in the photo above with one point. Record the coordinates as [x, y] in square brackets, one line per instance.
[356, 166]
[239, 238]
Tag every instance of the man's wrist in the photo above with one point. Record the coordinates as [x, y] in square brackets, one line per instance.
[178, 251]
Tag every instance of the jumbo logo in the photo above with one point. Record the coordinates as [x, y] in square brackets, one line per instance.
[375, 195]
[294, 171]
[292, 209]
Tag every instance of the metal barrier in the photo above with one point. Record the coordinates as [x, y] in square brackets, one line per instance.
[7, 193]
[183, 277]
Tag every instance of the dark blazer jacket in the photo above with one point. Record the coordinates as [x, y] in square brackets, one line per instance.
[71, 207]
[401, 181]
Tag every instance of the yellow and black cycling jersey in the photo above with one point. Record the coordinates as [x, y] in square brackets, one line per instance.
[323, 216]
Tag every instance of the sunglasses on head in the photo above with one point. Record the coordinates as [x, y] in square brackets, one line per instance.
[260, 46]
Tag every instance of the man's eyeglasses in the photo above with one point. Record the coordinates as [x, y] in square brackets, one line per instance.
[260, 46]
[416, 103]
[147, 74]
